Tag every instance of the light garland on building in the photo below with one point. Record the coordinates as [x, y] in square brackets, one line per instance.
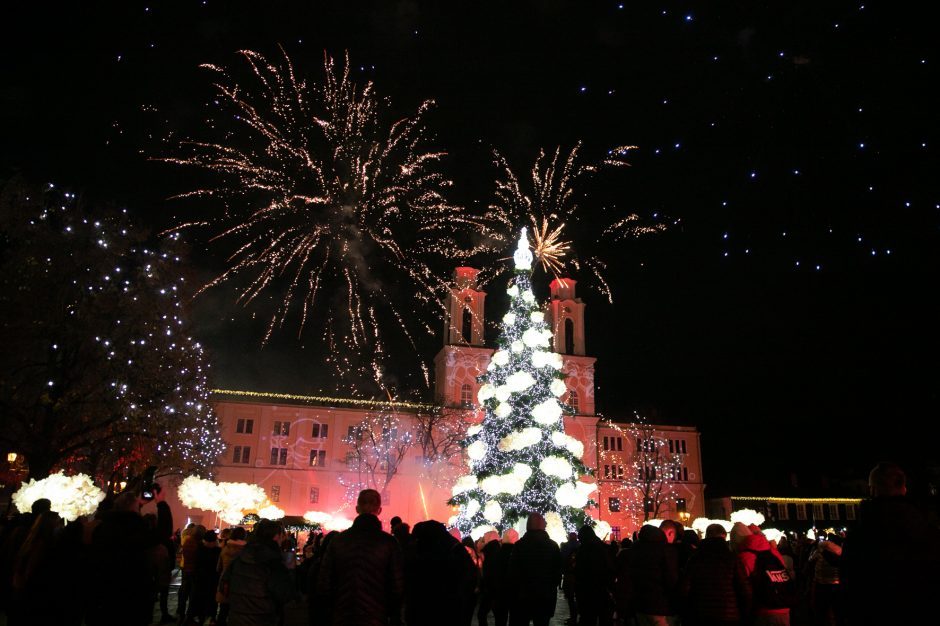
[521, 457]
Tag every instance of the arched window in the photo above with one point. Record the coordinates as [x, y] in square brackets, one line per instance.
[569, 336]
[466, 396]
[573, 401]
[466, 323]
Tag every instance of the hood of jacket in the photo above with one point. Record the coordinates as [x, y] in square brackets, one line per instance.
[756, 542]
[261, 552]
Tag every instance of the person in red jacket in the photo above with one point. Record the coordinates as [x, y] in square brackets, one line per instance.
[766, 573]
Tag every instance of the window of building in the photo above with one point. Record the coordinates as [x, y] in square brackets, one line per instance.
[620, 444]
[275, 493]
[647, 505]
[800, 511]
[244, 426]
[466, 396]
[782, 512]
[850, 512]
[319, 431]
[318, 458]
[281, 429]
[569, 336]
[615, 533]
[466, 321]
[685, 474]
[613, 504]
[606, 444]
[607, 471]
[834, 511]
[354, 433]
[818, 511]
[314, 495]
[573, 401]
[351, 458]
[671, 446]
[680, 505]
[240, 426]
[278, 456]
[682, 446]
[241, 454]
[620, 471]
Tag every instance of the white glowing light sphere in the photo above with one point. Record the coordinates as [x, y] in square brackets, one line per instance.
[535, 339]
[556, 361]
[569, 495]
[517, 346]
[528, 297]
[486, 392]
[472, 508]
[271, 512]
[537, 317]
[471, 431]
[555, 527]
[232, 517]
[546, 412]
[747, 517]
[69, 496]
[519, 382]
[520, 439]
[509, 319]
[493, 512]
[568, 442]
[772, 534]
[464, 483]
[556, 466]
[476, 451]
[502, 393]
[502, 410]
[318, 517]
[500, 357]
[513, 291]
[558, 388]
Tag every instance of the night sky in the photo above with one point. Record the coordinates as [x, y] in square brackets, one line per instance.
[789, 311]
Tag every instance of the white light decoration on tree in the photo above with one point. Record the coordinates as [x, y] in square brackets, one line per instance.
[502, 393]
[493, 512]
[479, 531]
[516, 346]
[70, 496]
[476, 451]
[547, 412]
[556, 466]
[603, 530]
[747, 517]
[520, 464]
[700, 524]
[517, 440]
[227, 499]
[464, 483]
[472, 430]
[522, 256]
[520, 381]
[573, 445]
[772, 534]
[558, 388]
[485, 393]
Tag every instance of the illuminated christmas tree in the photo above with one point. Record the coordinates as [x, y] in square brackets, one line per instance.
[520, 458]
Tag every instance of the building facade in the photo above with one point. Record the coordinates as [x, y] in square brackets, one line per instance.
[307, 452]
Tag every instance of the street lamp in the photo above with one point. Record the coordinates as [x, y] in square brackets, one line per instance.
[11, 458]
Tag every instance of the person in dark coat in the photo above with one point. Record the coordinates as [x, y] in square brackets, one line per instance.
[121, 568]
[361, 582]
[202, 604]
[535, 573]
[568, 551]
[713, 589]
[594, 576]
[257, 580]
[890, 561]
[654, 573]
[686, 547]
[493, 582]
[438, 571]
[317, 616]
[623, 583]
[35, 573]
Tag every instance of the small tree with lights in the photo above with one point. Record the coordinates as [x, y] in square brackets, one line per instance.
[520, 458]
[653, 478]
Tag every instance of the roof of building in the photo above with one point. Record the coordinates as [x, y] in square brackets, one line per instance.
[327, 401]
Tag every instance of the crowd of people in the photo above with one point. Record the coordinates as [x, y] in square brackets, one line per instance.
[117, 569]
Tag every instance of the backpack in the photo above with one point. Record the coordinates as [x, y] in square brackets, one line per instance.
[771, 582]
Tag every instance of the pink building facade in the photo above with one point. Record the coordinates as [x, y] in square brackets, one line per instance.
[298, 447]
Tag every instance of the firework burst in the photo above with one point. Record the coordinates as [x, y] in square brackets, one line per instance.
[321, 196]
[551, 205]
